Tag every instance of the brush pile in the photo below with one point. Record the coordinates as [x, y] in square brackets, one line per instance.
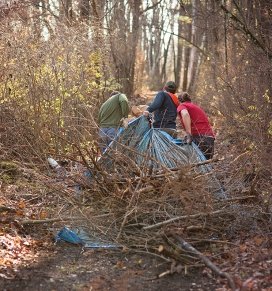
[134, 198]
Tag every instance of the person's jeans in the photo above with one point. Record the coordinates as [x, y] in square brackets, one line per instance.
[106, 136]
[205, 144]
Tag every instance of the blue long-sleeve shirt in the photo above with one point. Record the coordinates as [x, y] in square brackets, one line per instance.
[165, 111]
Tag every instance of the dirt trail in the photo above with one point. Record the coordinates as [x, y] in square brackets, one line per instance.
[67, 267]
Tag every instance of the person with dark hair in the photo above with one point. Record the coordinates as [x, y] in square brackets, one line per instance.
[110, 117]
[196, 125]
[164, 107]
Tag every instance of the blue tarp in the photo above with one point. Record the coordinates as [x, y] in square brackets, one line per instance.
[80, 237]
[145, 145]
[140, 142]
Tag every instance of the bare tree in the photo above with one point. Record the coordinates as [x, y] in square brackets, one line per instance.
[84, 7]
[65, 10]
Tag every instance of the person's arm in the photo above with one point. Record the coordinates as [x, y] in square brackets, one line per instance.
[186, 119]
[124, 105]
[125, 109]
[156, 104]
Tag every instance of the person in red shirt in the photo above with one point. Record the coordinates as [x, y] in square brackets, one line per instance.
[196, 125]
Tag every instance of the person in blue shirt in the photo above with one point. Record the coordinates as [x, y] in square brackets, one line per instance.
[164, 109]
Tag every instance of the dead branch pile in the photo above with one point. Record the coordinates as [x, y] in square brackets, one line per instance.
[142, 210]
[138, 208]
[135, 207]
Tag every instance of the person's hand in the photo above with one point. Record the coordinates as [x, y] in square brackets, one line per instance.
[146, 113]
[188, 139]
[125, 122]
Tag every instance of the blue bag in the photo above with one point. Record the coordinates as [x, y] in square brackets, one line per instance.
[66, 234]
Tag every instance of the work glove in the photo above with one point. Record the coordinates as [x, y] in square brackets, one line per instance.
[188, 139]
[124, 122]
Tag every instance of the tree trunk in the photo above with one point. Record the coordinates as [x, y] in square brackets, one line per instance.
[179, 52]
[154, 51]
[134, 45]
[84, 8]
[187, 53]
[65, 8]
[197, 38]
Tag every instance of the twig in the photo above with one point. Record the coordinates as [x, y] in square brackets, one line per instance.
[182, 217]
[175, 253]
[124, 222]
[152, 254]
[128, 213]
[241, 155]
[49, 220]
[4, 208]
[197, 241]
[207, 162]
[185, 245]
[238, 198]
[200, 163]
[168, 272]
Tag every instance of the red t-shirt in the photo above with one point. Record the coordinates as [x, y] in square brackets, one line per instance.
[199, 121]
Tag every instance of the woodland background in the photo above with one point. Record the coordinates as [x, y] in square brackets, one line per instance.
[60, 59]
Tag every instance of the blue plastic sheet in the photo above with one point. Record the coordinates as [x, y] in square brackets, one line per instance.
[68, 235]
[80, 237]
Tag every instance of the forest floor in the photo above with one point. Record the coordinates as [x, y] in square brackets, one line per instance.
[66, 267]
[31, 260]
[34, 262]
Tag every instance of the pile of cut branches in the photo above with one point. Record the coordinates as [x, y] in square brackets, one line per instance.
[178, 214]
[173, 214]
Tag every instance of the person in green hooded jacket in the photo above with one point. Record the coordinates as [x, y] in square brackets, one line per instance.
[110, 117]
